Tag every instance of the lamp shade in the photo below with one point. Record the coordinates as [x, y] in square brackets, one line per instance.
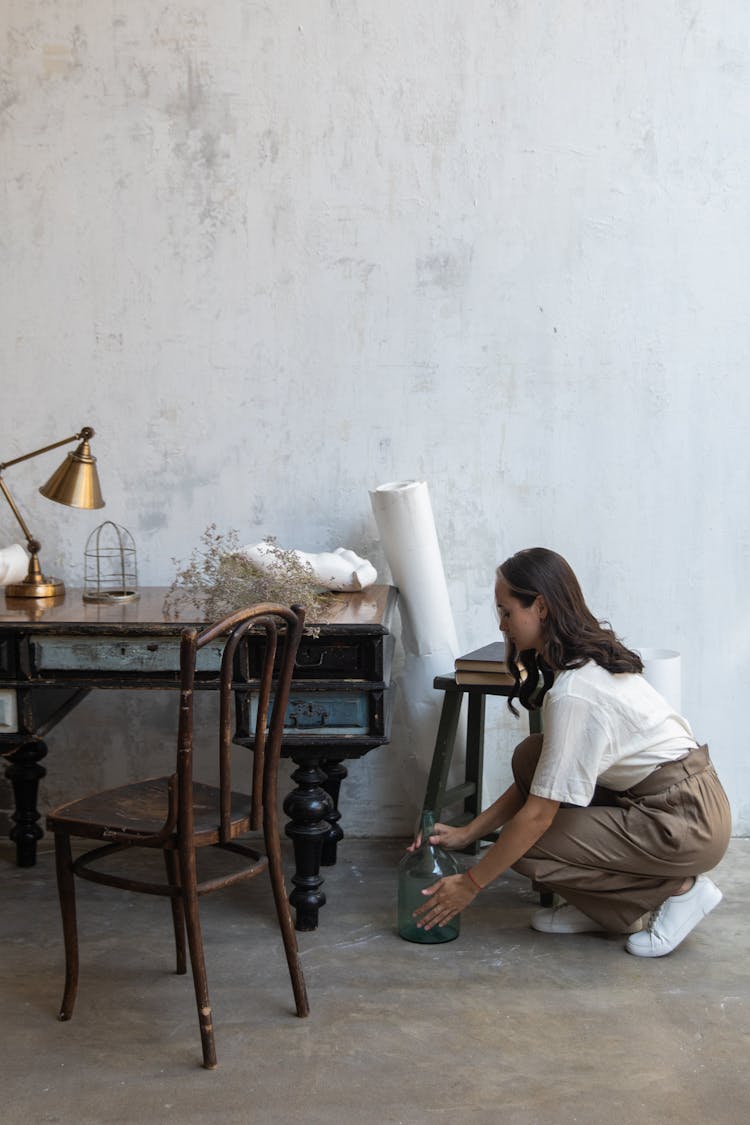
[76, 482]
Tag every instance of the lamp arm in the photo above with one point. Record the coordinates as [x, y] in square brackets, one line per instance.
[85, 435]
[16, 513]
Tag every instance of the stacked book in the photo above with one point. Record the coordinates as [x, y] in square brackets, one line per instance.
[484, 665]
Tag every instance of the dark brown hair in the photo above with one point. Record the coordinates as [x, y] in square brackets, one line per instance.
[572, 635]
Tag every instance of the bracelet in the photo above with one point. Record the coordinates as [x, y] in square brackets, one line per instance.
[472, 879]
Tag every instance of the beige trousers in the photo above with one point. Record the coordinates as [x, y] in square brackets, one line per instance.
[625, 853]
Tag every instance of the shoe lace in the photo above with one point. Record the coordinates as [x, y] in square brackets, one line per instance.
[655, 918]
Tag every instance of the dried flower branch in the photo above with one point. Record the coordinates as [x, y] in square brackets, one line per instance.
[218, 579]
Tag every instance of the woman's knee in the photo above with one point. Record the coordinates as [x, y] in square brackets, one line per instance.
[524, 761]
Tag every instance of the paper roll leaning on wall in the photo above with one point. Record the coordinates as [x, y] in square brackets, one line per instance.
[403, 513]
[662, 667]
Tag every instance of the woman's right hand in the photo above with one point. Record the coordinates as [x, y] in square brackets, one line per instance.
[450, 836]
[445, 836]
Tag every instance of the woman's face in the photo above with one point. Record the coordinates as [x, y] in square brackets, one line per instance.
[519, 623]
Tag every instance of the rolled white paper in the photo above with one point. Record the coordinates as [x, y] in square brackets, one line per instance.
[662, 667]
[409, 539]
[14, 564]
[406, 524]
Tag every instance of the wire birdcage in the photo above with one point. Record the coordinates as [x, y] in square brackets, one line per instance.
[110, 568]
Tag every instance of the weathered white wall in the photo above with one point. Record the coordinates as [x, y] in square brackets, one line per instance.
[279, 253]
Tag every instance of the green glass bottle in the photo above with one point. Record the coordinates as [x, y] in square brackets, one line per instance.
[417, 870]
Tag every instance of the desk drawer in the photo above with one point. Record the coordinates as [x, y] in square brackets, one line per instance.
[334, 658]
[318, 658]
[331, 715]
[330, 712]
[115, 654]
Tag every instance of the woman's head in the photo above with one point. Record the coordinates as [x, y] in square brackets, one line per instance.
[542, 581]
[546, 621]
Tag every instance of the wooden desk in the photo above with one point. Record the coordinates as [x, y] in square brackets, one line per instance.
[52, 656]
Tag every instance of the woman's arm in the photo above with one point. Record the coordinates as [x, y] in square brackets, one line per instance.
[498, 814]
[452, 894]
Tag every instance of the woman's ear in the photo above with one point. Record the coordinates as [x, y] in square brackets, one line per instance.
[541, 606]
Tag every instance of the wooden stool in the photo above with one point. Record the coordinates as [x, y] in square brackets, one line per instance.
[437, 796]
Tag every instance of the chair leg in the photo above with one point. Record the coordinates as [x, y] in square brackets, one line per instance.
[288, 932]
[188, 881]
[67, 894]
[178, 909]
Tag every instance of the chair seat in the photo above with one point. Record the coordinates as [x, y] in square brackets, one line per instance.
[140, 810]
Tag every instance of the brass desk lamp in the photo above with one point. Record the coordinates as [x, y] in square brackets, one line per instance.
[75, 484]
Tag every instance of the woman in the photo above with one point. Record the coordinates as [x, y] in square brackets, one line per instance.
[616, 807]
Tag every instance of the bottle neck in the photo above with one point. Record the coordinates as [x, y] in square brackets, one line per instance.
[428, 826]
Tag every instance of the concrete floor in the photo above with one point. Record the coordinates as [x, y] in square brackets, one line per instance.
[503, 1025]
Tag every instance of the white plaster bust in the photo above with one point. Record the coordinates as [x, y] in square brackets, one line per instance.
[341, 569]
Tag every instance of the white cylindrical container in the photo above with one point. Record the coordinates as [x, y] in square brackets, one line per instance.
[662, 667]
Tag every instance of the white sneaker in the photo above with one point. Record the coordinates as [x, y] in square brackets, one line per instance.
[567, 919]
[675, 918]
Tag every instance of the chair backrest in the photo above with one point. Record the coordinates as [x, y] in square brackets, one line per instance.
[279, 630]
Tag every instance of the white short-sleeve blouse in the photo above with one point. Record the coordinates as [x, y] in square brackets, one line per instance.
[605, 728]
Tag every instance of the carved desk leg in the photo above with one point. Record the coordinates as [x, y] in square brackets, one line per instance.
[307, 806]
[24, 773]
[335, 772]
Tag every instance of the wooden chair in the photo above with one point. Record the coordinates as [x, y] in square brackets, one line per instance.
[179, 815]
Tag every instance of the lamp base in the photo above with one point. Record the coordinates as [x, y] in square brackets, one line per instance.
[48, 588]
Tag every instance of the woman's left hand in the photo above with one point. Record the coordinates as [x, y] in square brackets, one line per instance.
[447, 897]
